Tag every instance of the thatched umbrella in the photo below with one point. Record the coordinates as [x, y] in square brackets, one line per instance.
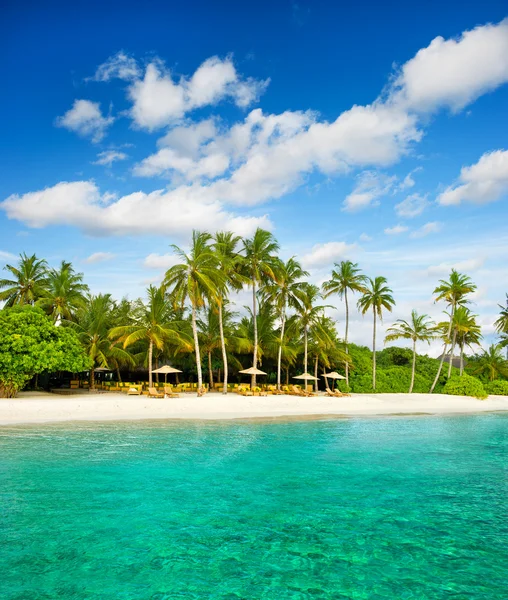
[166, 369]
[332, 375]
[306, 377]
[252, 371]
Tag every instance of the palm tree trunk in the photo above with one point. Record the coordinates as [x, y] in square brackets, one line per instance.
[346, 334]
[279, 358]
[444, 352]
[461, 359]
[224, 353]
[451, 353]
[255, 321]
[374, 354]
[316, 363]
[92, 377]
[196, 349]
[210, 373]
[150, 356]
[305, 352]
[287, 376]
[118, 374]
[413, 368]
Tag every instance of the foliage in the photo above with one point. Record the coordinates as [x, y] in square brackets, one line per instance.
[31, 344]
[464, 385]
[28, 281]
[498, 387]
[491, 363]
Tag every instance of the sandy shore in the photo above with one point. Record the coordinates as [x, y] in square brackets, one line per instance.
[51, 408]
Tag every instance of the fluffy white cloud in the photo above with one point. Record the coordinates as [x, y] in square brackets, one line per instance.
[370, 186]
[176, 212]
[97, 257]
[325, 254]
[454, 72]
[396, 230]
[365, 238]
[463, 266]
[412, 206]
[160, 261]
[159, 100]
[428, 228]
[108, 157]
[5, 256]
[85, 118]
[485, 181]
[118, 66]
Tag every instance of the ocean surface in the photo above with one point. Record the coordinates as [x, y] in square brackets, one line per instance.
[395, 508]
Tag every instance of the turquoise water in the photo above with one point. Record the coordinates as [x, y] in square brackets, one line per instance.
[376, 508]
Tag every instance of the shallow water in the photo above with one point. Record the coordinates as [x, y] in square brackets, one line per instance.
[398, 508]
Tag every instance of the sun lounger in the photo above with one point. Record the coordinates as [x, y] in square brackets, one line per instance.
[134, 391]
[169, 393]
[153, 393]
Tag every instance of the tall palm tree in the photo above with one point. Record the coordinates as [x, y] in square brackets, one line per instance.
[345, 277]
[501, 325]
[259, 266]
[64, 292]
[376, 297]
[284, 292]
[28, 283]
[419, 329]
[230, 263]
[468, 332]
[93, 324]
[454, 291]
[151, 323]
[324, 345]
[197, 278]
[309, 314]
[491, 363]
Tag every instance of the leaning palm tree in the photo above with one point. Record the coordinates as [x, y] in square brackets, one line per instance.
[197, 278]
[259, 266]
[285, 292]
[64, 292]
[468, 332]
[501, 325]
[491, 363]
[309, 314]
[345, 277]
[377, 296]
[151, 323]
[419, 329]
[230, 263]
[28, 283]
[454, 291]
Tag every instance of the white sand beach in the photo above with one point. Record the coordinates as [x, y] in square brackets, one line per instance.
[50, 408]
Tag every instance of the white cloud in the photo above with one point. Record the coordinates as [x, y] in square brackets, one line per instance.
[324, 254]
[118, 66]
[485, 181]
[159, 100]
[454, 72]
[370, 186]
[162, 212]
[467, 266]
[86, 119]
[108, 157]
[161, 261]
[412, 206]
[97, 257]
[396, 230]
[428, 228]
[365, 238]
[5, 256]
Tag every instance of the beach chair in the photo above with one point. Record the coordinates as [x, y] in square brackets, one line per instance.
[169, 393]
[135, 390]
[244, 391]
[153, 393]
[294, 391]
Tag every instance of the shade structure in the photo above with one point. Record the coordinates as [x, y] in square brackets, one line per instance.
[306, 377]
[333, 375]
[166, 369]
[101, 370]
[252, 371]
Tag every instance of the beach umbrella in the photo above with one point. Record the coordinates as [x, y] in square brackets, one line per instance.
[101, 370]
[332, 375]
[306, 377]
[252, 371]
[166, 369]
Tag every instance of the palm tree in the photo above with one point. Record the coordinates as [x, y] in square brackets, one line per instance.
[197, 278]
[325, 346]
[501, 325]
[419, 329]
[28, 283]
[377, 296]
[93, 324]
[491, 363]
[345, 277]
[466, 330]
[309, 314]
[64, 292]
[230, 262]
[454, 292]
[259, 266]
[284, 292]
[151, 322]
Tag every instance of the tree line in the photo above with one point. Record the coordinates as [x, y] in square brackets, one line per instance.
[191, 314]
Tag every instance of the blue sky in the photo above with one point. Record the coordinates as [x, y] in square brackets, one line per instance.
[373, 131]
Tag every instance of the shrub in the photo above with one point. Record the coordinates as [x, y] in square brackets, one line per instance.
[464, 386]
[498, 387]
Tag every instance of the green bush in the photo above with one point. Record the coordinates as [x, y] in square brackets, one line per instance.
[395, 380]
[465, 386]
[498, 387]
